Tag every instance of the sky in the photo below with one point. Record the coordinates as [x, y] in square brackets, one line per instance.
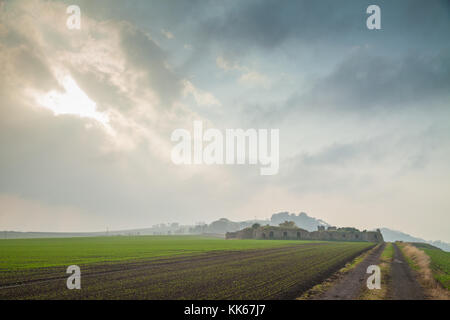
[86, 115]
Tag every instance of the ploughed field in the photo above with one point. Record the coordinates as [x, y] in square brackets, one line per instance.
[169, 267]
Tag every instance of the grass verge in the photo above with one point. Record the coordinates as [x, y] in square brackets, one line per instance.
[421, 263]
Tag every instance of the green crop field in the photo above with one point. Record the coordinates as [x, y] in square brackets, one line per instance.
[35, 253]
[169, 267]
[440, 265]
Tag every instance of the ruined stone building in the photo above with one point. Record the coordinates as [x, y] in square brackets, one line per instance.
[283, 233]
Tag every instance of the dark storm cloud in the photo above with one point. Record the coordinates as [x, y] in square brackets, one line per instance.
[145, 54]
[352, 68]
[267, 23]
[366, 84]
[364, 81]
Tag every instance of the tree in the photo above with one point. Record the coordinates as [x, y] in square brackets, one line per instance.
[288, 224]
[256, 226]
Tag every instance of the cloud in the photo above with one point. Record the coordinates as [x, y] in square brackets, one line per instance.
[69, 160]
[169, 35]
[248, 77]
[144, 53]
[226, 65]
[366, 86]
[266, 25]
[368, 164]
[255, 79]
[201, 97]
[365, 82]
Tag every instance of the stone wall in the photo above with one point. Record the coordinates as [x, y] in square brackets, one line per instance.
[279, 233]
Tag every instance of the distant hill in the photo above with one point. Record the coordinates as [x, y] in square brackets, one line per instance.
[224, 225]
[393, 235]
[302, 220]
[221, 226]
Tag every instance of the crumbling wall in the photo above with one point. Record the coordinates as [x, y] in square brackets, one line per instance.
[279, 233]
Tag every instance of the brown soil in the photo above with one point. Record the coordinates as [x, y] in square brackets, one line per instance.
[404, 283]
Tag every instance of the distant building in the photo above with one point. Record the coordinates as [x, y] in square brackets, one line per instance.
[282, 233]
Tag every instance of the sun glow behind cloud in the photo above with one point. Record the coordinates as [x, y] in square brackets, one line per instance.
[72, 101]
